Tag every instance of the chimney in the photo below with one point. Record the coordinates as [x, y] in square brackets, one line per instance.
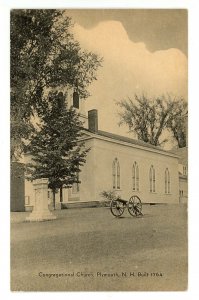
[93, 120]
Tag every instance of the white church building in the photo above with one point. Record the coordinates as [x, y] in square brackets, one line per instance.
[118, 163]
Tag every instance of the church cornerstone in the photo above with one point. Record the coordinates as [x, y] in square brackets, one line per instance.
[40, 210]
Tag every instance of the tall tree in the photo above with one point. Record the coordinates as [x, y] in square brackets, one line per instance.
[178, 125]
[150, 118]
[44, 55]
[57, 153]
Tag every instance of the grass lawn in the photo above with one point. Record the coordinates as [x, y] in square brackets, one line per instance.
[87, 249]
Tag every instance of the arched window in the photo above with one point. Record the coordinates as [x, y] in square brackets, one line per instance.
[167, 181]
[135, 177]
[152, 179]
[184, 170]
[75, 99]
[116, 174]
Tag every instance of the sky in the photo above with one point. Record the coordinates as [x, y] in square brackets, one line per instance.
[144, 51]
[159, 29]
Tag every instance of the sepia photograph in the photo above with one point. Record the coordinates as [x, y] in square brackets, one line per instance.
[98, 150]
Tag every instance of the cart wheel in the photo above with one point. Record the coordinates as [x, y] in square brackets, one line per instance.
[135, 206]
[117, 208]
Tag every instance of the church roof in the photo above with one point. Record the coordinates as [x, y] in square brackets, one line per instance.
[128, 140]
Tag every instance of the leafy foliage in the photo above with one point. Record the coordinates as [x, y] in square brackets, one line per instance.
[109, 196]
[178, 124]
[149, 118]
[57, 153]
[44, 55]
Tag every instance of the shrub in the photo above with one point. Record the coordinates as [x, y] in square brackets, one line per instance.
[109, 196]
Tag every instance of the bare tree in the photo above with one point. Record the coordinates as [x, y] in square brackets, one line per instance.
[150, 118]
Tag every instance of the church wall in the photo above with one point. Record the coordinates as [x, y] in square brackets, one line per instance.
[106, 152]
[96, 174]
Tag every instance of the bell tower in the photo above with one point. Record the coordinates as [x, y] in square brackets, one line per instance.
[79, 104]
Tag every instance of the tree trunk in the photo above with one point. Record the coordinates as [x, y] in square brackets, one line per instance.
[61, 194]
[54, 199]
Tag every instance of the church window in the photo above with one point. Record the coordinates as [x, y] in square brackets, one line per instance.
[184, 170]
[167, 182]
[116, 174]
[152, 179]
[135, 177]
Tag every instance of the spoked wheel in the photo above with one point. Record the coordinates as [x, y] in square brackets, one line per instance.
[117, 208]
[135, 206]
